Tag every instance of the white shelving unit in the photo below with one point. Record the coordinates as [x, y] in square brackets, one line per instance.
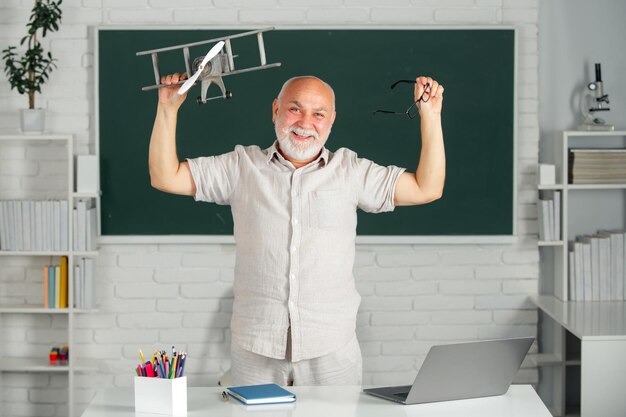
[582, 356]
[11, 363]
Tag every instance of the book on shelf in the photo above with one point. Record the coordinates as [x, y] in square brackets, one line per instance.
[84, 218]
[27, 225]
[25, 208]
[63, 284]
[551, 220]
[549, 217]
[17, 213]
[51, 286]
[597, 166]
[3, 227]
[586, 273]
[56, 225]
[38, 237]
[597, 267]
[605, 283]
[91, 232]
[575, 271]
[55, 284]
[615, 262]
[78, 287]
[571, 277]
[46, 288]
[557, 215]
[83, 283]
[63, 234]
[81, 222]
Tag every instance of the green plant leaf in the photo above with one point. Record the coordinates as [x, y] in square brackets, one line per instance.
[28, 72]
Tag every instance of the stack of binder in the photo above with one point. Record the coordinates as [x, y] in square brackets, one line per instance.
[27, 225]
[84, 226]
[550, 218]
[597, 267]
[83, 283]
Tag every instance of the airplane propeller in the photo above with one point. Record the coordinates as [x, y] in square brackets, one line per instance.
[191, 81]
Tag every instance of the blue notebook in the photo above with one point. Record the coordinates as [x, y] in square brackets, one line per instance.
[261, 394]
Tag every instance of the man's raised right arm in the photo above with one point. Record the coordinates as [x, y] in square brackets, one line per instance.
[167, 173]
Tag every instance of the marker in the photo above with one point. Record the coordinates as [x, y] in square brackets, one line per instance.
[149, 370]
[182, 367]
[173, 367]
[141, 356]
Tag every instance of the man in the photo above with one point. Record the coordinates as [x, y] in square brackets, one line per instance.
[294, 211]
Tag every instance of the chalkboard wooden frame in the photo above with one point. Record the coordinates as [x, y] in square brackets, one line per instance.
[508, 237]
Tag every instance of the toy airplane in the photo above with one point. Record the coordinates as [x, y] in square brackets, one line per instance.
[210, 68]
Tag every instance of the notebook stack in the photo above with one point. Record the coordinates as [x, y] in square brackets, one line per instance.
[597, 166]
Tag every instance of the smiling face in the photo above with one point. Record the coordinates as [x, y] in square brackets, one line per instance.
[303, 115]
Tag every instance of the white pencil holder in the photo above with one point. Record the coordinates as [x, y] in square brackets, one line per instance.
[161, 396]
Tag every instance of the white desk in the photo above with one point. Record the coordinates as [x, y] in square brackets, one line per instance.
[601, 328]
[519, 401]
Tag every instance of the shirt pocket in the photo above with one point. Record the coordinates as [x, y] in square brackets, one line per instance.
[328, 209]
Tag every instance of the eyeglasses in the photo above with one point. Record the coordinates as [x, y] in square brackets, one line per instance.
[412, 111]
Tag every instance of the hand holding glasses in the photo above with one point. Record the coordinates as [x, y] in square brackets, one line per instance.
[412, 111]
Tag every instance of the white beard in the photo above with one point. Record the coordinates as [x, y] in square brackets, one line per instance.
[296, 150]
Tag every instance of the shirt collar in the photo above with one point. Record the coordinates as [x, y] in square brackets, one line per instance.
[273, 152]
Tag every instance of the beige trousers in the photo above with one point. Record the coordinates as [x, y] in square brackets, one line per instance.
[343, 367]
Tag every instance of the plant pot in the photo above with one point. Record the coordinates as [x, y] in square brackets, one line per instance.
[32, 120]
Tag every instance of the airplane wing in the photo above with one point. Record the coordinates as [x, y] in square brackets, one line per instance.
[228, 64]
[188, 45]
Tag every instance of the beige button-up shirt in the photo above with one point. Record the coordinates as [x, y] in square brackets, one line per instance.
[295, 233]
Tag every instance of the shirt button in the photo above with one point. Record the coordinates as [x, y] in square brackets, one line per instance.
[293, 276]
[293, 248]
[295, 221]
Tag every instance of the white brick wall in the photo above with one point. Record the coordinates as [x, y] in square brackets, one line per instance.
[156, 295]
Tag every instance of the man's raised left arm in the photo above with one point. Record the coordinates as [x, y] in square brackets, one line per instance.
[426, 184]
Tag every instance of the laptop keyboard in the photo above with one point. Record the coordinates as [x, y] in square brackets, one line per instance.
[401, 395]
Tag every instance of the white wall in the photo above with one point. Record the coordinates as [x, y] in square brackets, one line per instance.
[574, 35]
[153, 295]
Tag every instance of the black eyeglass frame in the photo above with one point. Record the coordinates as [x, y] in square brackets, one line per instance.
[408, 111]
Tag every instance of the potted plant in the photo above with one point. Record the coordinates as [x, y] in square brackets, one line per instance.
[30, 71]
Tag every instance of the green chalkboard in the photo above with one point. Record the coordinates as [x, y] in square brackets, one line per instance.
[476, 66]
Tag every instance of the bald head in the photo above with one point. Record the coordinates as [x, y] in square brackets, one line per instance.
[308, 81]
[303, 115]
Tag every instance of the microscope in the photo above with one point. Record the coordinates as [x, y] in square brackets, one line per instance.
[599, 102]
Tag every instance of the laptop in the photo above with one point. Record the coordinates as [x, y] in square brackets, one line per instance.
[462, 370]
